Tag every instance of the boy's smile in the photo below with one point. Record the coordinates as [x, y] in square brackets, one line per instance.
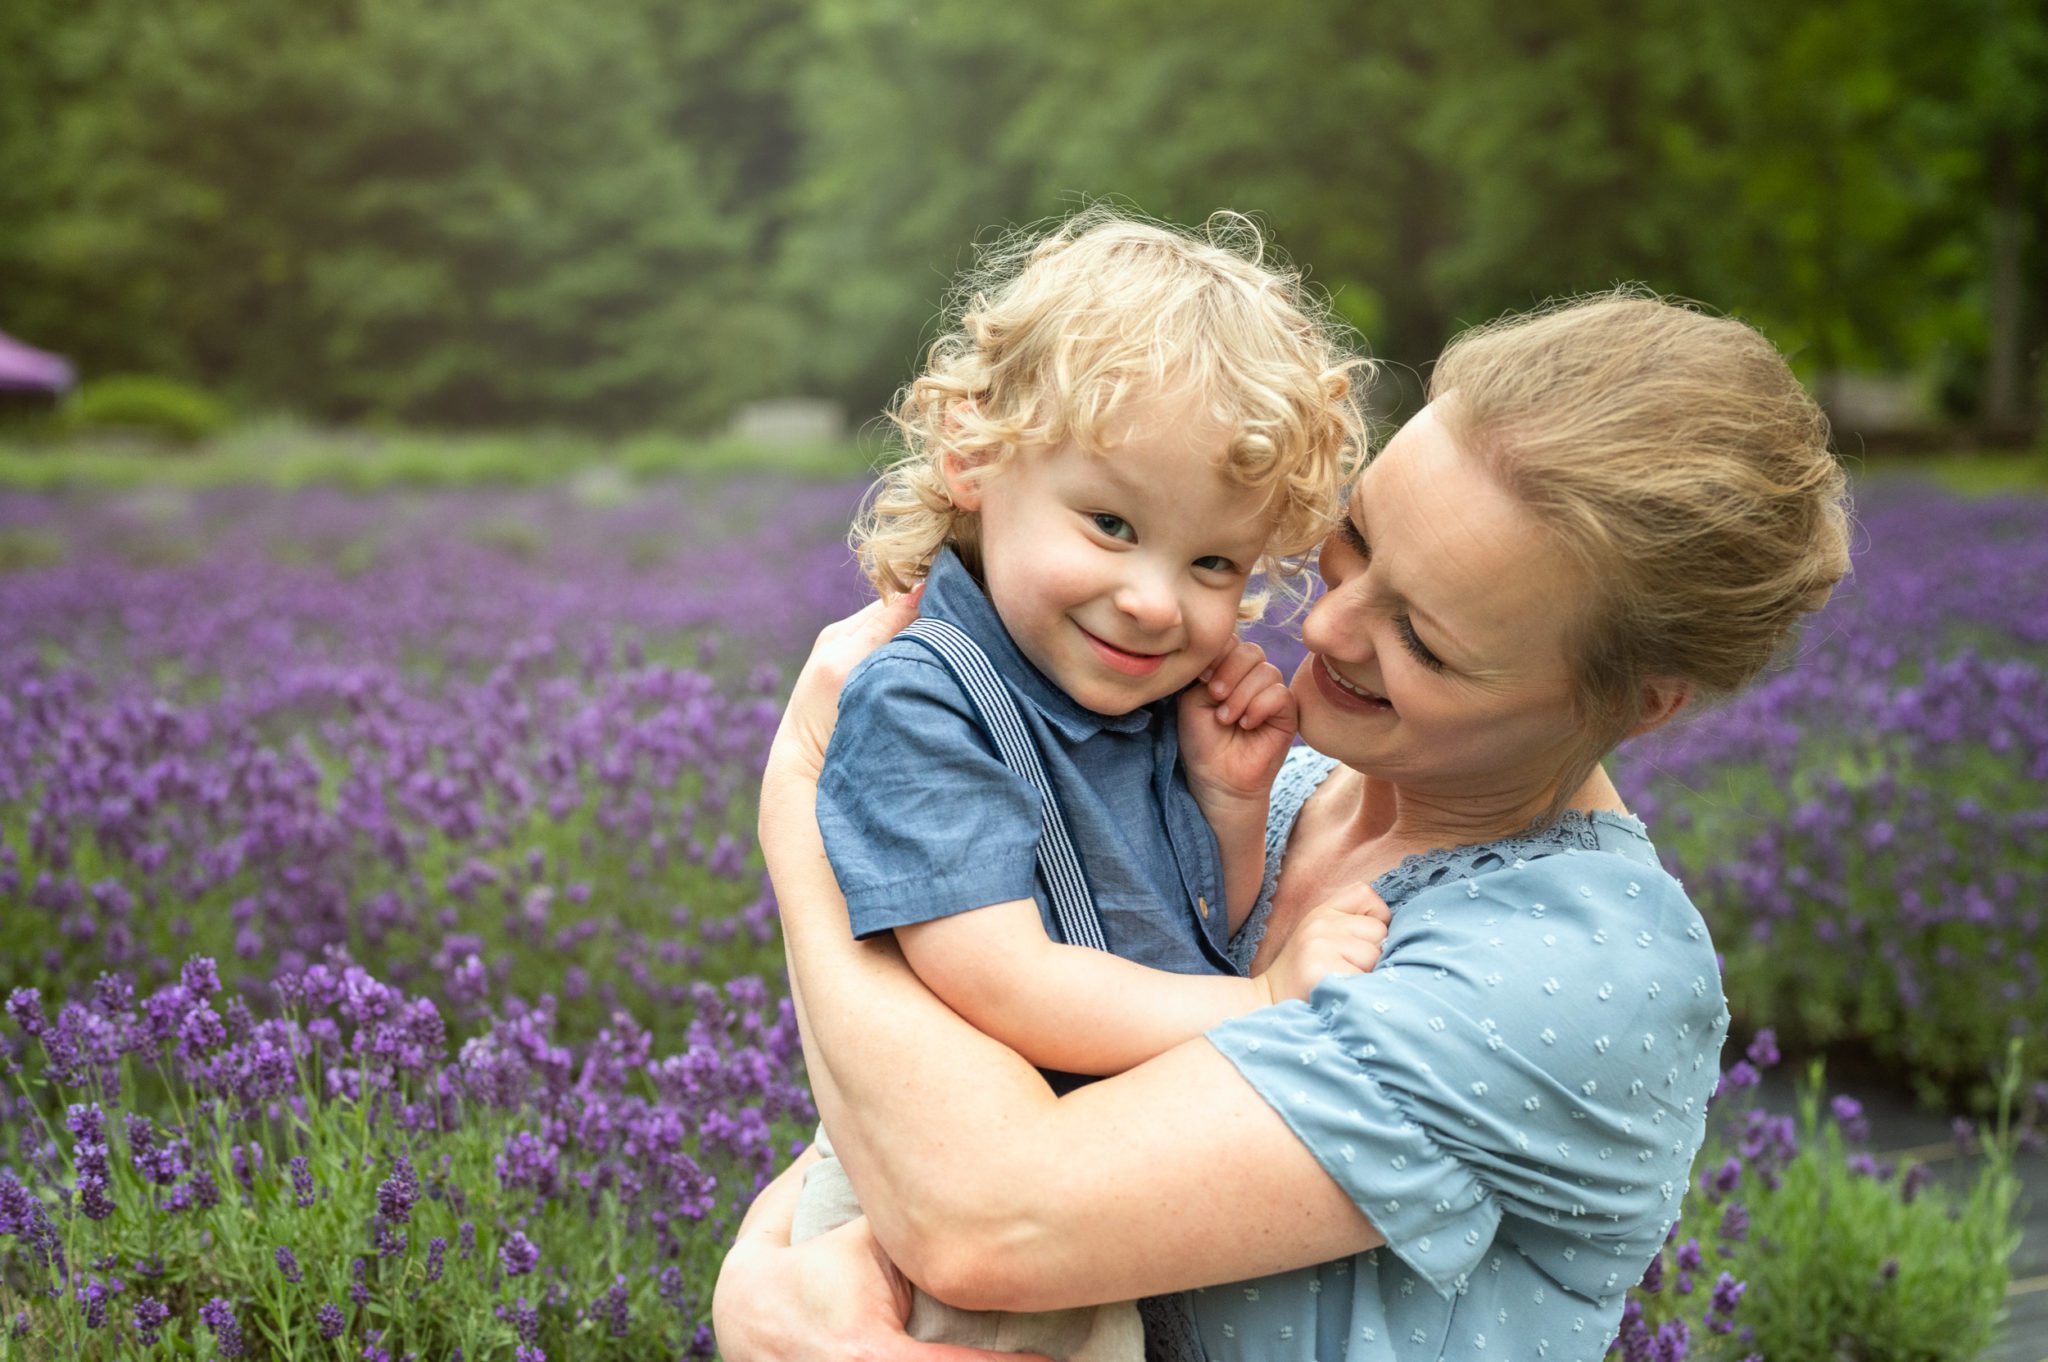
[1119, 574]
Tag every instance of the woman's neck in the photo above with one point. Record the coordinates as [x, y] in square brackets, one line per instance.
[1401, 821]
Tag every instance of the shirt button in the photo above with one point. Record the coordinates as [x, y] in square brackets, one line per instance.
[1203, 904]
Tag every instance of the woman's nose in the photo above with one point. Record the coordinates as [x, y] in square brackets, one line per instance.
[1336, 624]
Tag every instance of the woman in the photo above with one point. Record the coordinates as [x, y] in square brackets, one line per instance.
[1606, 511]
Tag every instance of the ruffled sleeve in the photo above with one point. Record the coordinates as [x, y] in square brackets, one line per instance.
[1530, 1062]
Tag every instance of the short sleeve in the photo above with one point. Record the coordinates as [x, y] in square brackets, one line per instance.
[1530, 1060]
[920, 817]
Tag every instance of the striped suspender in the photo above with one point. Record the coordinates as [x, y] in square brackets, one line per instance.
[1072, 905]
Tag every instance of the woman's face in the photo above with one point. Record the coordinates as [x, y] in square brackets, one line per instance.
[1437, 656]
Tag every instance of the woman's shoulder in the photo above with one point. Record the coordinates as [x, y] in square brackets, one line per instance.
[1563, 902]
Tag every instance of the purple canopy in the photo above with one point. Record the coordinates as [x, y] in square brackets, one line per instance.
[23, 368]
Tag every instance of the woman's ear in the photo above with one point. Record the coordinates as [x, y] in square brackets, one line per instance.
[1663, 697]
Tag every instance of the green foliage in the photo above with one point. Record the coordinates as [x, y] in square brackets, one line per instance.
[155, 406]
[639, 214]
[1843, 1260]
[287, 454]
[23, 549]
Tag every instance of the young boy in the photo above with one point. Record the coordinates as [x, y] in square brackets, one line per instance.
[1126, 424]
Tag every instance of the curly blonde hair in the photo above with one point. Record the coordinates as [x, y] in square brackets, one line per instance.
[1052, 331]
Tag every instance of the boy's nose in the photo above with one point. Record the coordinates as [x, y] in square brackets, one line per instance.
[1151, 606]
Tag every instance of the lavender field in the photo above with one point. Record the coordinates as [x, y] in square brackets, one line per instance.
[388, 969]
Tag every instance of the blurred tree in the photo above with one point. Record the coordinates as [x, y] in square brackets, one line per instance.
[641, 210]
[436, 212]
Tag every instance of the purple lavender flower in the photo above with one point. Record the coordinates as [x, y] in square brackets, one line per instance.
[1917, 1176]
[200, 978]
[22, 1215]
[1735, 1222]
[150, 1315]
[437, 1249]
[1848, 1113]
[218, 1315]
[88, 1127]
[288, 1265]
[1673, 1342]
[302, 1182]
[1763, 1049]
[1721, 1308]
[329, 1319]
[359, 1286]
[524, 1319]
[528, 1161]
[518, 1254]
[397, 1194]
[1653, 1275]
[613, 1307]
[25, 1005]
[465, 1235]
[92, 1298]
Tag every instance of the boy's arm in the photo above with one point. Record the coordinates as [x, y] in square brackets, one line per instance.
[1089, 1012]
[1236, 725]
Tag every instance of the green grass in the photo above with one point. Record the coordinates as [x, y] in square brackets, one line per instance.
[286, 454]
[1971, 473]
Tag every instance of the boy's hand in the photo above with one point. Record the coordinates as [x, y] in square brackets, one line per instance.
[1236, 724]
[1343, 935]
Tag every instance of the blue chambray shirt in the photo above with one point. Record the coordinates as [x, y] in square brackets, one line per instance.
[922, 820]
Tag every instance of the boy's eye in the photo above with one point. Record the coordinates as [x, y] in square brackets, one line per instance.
[1216, 562]
[1115, 526]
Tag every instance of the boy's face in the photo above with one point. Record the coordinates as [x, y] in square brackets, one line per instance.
[1119, 575]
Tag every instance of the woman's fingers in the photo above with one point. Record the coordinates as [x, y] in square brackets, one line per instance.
[814, 700]
[829, 1298]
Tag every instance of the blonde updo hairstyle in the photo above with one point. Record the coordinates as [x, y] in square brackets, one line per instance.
[1052, 331]
[1679, 461]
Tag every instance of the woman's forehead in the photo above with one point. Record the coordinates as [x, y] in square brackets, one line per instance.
[1454, 543]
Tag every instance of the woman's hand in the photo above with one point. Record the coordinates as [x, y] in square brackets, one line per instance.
[799, 747]
[833, 1297]
[1236, 724]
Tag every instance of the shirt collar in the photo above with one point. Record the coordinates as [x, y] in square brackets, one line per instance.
[951, 594]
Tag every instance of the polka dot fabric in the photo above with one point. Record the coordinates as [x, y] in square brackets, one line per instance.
[1514, 1098]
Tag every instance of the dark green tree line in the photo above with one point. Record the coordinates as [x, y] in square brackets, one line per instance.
[641, 212]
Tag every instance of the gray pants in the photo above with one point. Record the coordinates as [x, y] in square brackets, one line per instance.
[1095, 1333]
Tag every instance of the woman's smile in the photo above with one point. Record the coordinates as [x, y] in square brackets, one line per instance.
[1347, 694]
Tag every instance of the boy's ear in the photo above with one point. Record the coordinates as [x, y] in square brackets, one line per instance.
[1663, 697]
[961, 487]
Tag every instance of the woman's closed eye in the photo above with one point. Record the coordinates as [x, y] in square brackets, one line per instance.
[1353, 537]
[1114, 526]
[1414, 644]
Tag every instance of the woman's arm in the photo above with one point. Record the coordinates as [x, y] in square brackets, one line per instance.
[985, 1188]
[829, 1298]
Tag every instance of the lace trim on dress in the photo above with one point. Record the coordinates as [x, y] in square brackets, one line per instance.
[1574, 830]
[1305, 771]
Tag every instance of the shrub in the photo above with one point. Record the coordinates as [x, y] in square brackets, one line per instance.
[1790, 1246]
[139, 402]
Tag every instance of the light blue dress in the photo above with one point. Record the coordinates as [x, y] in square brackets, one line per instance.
[1514, 1097]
